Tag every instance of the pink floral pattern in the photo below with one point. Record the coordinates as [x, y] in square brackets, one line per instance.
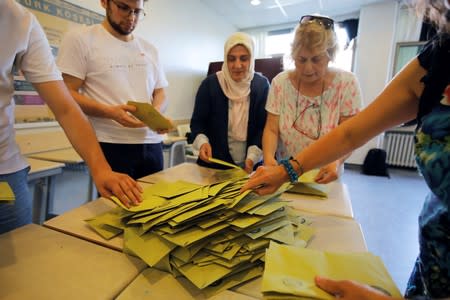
[299, 115]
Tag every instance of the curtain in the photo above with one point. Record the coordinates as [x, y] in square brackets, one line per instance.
[408, 25]
[260, 43]
[351, 26]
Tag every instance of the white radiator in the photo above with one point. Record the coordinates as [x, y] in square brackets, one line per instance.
[399, 146]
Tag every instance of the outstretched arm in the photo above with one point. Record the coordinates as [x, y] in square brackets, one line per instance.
[350, 290]
[82, 137]
[396, 104]
[330, 172]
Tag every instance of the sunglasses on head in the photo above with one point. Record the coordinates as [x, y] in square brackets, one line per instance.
[327, 23]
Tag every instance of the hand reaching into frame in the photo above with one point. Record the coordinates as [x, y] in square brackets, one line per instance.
[125, 188]
[350, 290]
[266, 180]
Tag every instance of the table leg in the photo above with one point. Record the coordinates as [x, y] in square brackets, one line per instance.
[50, 197]
[39, 199]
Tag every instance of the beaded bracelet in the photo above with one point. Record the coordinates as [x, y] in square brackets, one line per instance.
[293, 177]
[300, 168]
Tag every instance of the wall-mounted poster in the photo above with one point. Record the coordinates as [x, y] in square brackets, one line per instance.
[56, 17]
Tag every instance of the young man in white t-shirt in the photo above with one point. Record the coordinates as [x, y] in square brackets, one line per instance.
[106, 65]
[25, 47]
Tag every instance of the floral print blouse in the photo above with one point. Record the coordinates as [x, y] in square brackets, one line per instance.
[304, 119]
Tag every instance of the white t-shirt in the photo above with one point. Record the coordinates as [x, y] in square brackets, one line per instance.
[23, 46]
[114, 72]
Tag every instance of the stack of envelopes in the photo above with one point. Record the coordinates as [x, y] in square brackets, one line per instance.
[6, 193]
[289, 272]
[213, 235]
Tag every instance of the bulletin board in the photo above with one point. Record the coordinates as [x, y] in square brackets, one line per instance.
[56, 17]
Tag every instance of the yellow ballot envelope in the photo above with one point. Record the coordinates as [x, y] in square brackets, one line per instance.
[150, 116]
[307, 186]
[290, 271]
[223, 163]
[6, 193]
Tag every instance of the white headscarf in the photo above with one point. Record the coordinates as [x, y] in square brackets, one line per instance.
[238, 92]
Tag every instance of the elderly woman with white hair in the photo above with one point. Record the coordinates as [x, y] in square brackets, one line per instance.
[229, 115]
[310, 100]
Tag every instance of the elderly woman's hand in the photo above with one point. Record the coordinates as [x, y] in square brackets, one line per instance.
[248, 166]
[328, 173]
[270, 162]
[350, 290]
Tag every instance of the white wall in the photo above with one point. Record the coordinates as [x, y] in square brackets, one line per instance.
[188, 36]
[373, 61]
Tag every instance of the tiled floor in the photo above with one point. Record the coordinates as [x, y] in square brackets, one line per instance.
[386, 208]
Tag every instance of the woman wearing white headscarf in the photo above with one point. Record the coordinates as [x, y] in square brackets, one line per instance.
[229, 115]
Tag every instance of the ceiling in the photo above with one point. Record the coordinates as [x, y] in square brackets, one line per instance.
[243, 15]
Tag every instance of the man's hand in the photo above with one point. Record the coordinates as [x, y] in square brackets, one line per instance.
[205, 152]
[121, 114]
[120, 185]
[350, 290]
[163, 131]
[328, 173]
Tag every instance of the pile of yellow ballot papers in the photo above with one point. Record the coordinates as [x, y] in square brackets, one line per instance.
[289, 272]
[210, 234]
[6, 193]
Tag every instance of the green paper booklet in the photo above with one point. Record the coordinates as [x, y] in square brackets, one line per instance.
[150, 116]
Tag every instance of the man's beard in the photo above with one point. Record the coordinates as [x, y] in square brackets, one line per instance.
[117, 27]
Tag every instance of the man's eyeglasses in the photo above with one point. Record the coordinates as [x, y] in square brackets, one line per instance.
[139, 13]
[327, 23]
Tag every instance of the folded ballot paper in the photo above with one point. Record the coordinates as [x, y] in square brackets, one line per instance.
[150, 116]
[6, 193]
[307, 186]
[191, 230]
[289, 272]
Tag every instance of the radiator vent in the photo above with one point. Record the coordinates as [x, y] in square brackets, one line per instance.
[399, 146]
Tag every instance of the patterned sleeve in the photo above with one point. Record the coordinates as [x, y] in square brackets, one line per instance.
[274, 98]
[351, 95]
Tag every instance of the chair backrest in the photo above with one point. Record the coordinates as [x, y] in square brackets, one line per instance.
[182, 129]
[177, 153]
[269, 67]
